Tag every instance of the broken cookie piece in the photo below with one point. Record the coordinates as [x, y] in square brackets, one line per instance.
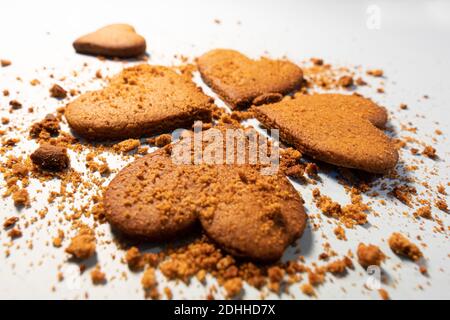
[50, 157]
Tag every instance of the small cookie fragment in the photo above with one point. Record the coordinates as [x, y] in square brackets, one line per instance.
[82, 246]
[402, 246]
[97, 276]
[58, 92]
[384, 294]
[161, 140]
[50, 157]
[241, 81]
[345, 81]
[149, 284]
[143, 100]
[441, 204]
[57, 241]
[15, 105]
[21, 198]
[233, 287]
[115, 40]
[127, 145]
[430, 152]
[424, 212]
[369, 255]
[14, 233]
[10, 222]
[308, 289]
[340, 233]
[340, 266]
[5, 62]
[134, 259]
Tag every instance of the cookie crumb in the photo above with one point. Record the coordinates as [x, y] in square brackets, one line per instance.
[21, 198]
[149, 283]
[57, 241]
[441, 204]
[360, 82]
[134, 259]
[339, 266]
[127, 145]
[375, 72]
[308, 289]
[58, 92]
[401, 245]
[345, 81]
[160, 141]
[82, 246]
[97, 276]
[168, 293]
[15, 104]
[233, 287]
[340, 233]
[424, 212]
[369, 255]
[430, 152]
[49, 157]
[317, 61]
[47, 127]
[10, 222]
[5, 62]
[384, 294]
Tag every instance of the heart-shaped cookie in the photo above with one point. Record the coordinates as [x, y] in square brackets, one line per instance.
[115, 40]
[241, 81]
[334, 128]
[246, 213]
[141, 100]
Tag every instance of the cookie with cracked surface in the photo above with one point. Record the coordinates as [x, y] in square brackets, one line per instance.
[141, 100]
[115, 40]
[152, 199]
[334, 128]
[253, 215]
[241, 81]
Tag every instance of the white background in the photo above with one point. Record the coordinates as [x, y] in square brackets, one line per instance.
[409, 40]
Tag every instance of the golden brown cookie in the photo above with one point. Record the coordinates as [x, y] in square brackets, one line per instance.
[334, 128]
[152, 198]
[241, 81]
[115, 40]
[246, 213]
[141, 100]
